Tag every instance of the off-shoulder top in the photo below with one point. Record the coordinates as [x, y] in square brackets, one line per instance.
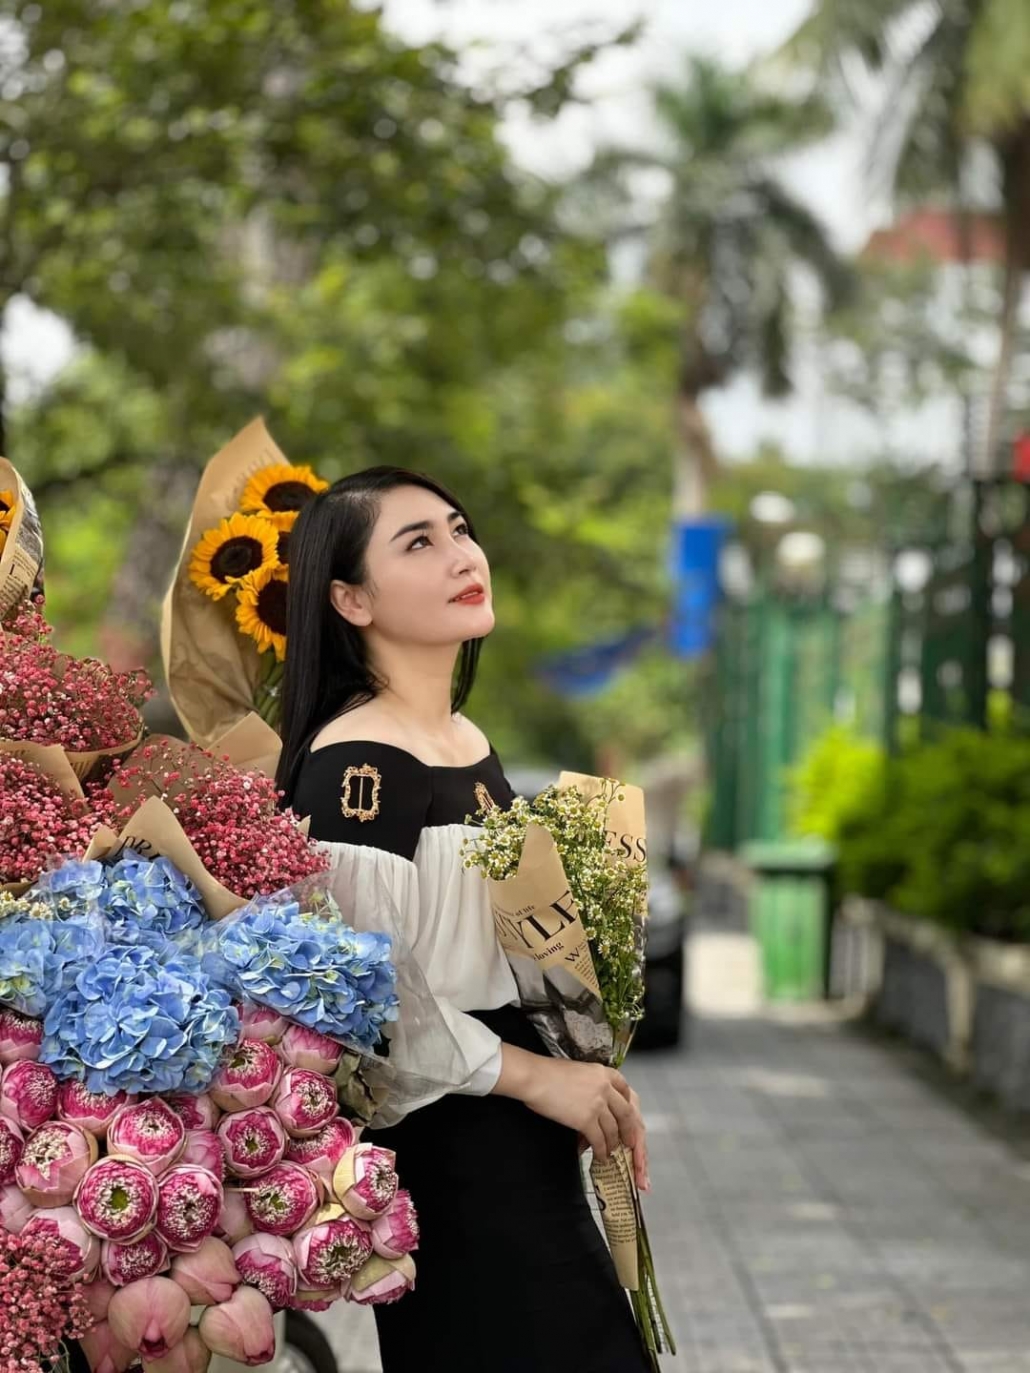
[393, 822]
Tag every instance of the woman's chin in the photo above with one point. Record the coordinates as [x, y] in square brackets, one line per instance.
[477, 622]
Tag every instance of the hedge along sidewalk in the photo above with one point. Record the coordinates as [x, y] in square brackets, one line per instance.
[964, 998]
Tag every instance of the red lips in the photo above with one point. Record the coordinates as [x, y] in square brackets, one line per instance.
[470, 593]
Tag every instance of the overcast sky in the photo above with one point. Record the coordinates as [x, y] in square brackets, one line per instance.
[829, 178]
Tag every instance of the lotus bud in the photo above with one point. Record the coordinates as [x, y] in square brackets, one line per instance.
[268, 1263]
[150, 1316]
[304, 1048]
[125, 1263]
[15, 1208]
[304, 1101]
[196, 1112]
[365, 1180]
[208, 1274]
[283, 1200]
[92, 1111]
[149, 1132]
[74, 1250]
[54, 1162]
[234, 1221]
[20, 1036]
[395, 1232]
[98, 1294]
[188, 1206]
[190, 1355]
[240, 1328]
[204, 1148]
[322, 1152]
[104, 1353]
[12, 1146]
[332, 1248]
[28, 1094]
[117, 1199]
[253, 1140]
[383, 1280]
[261, 1022]
[247, 1077]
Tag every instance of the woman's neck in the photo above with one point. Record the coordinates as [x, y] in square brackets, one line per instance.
[418, 688]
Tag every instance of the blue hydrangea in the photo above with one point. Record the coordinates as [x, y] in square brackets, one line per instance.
[139, 1018]
[313, 970]
[40, 957]
[150, 900]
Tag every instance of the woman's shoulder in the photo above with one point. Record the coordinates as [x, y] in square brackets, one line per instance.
[365, 724]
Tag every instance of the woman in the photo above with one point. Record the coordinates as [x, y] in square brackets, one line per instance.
[389, 601]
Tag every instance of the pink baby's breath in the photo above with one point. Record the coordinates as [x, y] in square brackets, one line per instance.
[37, 1309]
[37, 820]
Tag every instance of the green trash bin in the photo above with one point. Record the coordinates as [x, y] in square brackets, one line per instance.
[790, 916]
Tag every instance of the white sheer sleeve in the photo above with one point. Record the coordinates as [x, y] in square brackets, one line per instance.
[435, 1047]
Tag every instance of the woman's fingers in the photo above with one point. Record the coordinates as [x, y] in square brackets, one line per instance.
[594, 1136]
[640, 1164]
[630, 1124]
[610, 1128]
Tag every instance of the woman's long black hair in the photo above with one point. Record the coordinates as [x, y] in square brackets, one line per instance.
[327, 668]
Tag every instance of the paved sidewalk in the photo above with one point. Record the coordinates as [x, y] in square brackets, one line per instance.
[819, 1210]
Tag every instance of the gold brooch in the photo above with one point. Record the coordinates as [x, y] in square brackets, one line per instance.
[486, 801]
[367, 781]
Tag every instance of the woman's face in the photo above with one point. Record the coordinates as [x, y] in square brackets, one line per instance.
[428, 582]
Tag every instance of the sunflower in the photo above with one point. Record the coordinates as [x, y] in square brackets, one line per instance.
[224, 556]
[283, 524]
[7, 504]
[276, 489]
[261, 609]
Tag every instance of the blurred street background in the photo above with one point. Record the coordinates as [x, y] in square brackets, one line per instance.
[717, 319]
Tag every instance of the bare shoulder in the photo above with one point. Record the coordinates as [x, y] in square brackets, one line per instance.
[474, 741]
[366, 723]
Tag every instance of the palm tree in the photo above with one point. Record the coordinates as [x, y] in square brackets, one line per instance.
[724, 240]
[952, 76]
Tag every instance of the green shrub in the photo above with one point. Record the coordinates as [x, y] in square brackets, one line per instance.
[946, 834]
[837, 782]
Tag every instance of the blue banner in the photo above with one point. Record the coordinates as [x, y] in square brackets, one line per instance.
[696, 546]
[588, 670]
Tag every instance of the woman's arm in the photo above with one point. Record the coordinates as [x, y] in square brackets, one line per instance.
[596, 1101]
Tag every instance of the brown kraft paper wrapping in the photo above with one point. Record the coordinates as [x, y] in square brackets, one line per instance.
[212, 670]
[616, 1200]
[21, 562]
[251, 745]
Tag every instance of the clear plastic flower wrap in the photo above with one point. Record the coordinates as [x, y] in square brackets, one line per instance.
[333, 954]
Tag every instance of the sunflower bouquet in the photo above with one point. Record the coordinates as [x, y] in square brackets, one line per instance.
[224, 633]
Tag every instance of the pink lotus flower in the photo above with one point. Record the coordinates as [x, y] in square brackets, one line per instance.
[234, 1221]
[267, 1262]
[151, 1316]
[253, 1140]
[383, 1280]
[283, 1199]
[117, 1199]
[332, 1248]
[204, 1148]
[304, 1101]
[322, 1152]
[208, 1275]
[149, 1132]
[12, 1146]
[318, 1298]
[92, 1111]
[28, 1094]
[304, 1048]
[15, 1208]
[188, 1206]
[53, 1163]
[76, 1253]
[261, 1022]
[248, 1076]
[240, 1328]
[395, 1232]
[98, 1294]
[20, 1036]
[105, 1353]
[190, 1355]
[196, 1112]
[125, 1263]
[365, 1180]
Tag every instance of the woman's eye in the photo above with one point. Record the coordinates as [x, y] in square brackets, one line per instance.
[461, 528]
[422, 539]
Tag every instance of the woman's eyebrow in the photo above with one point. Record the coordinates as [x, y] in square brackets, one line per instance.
[424, 526]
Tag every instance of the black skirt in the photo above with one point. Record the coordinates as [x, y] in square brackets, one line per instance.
[513, 1274]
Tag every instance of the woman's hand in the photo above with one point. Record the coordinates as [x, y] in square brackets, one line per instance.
[640, 1164]
[595, 1101]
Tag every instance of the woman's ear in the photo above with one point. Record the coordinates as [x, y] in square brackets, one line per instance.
[350, 602]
